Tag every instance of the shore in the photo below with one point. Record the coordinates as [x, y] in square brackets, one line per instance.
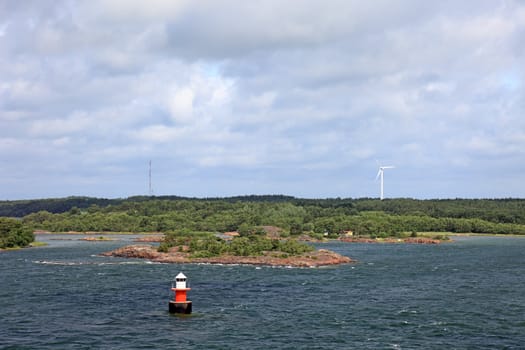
[44, 232]
[408, 240]
[321, 257]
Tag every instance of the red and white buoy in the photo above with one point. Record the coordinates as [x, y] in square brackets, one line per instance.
[179, 305]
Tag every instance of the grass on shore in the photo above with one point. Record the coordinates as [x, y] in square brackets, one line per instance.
[31, 245]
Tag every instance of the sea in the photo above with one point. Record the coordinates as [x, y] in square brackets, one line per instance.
[467, 294]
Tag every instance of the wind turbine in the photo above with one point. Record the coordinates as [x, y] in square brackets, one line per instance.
[380, 174]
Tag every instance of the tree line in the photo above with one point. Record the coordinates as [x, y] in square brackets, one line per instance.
[507, 210]
[294, 216]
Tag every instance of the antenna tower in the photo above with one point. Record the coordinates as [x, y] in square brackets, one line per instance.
[150, 188]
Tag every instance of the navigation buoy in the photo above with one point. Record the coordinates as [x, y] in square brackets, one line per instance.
[180, 305]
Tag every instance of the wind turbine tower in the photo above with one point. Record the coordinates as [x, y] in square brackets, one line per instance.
[150, 188]
[380, 174]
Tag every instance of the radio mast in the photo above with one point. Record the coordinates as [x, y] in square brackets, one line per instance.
[150, 188]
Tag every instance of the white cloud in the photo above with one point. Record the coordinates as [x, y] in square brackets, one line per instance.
[181, 105]
[158, 134]
[62, 126]
[271, 90]
[134, 10]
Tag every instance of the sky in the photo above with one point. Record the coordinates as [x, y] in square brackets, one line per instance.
[303, 98]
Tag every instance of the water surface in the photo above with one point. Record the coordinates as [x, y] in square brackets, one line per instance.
[463, 295]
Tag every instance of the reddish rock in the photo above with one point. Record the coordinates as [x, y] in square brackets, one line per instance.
[232, 234]
[135, 251]
[422, 240]
[41, 232]
[149, 239]
[411, 240]
[97, 239]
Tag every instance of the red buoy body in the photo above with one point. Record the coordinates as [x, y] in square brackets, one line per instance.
[180, 304]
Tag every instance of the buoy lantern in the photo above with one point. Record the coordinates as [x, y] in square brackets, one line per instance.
[179, 305]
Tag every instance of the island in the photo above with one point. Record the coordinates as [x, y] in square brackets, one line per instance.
[252, 248]
[321, 257]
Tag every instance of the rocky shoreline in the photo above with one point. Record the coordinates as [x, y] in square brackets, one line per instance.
[321, 257]
[410, 240]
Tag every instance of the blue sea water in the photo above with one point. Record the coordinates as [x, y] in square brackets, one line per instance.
[463, 295]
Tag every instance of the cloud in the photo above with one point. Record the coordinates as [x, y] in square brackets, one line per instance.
[181, 105]
[298, 97]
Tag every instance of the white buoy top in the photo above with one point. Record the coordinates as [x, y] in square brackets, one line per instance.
[180, 281]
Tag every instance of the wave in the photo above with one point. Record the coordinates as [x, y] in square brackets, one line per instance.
[78, 263]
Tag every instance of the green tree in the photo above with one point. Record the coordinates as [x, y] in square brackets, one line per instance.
[296, 228]
[13, 233]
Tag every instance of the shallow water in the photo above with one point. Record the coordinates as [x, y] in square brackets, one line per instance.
[463, 295]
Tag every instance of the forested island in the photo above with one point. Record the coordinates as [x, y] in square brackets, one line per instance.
[295, 217]
[254, 248]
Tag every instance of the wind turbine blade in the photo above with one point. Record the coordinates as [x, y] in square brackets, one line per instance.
[378, 173]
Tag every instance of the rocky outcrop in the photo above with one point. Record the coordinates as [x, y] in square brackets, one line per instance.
[149, 239]
[135, 251]
[95, 239]
[412, 240]
[422, 240]
[321, 257]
